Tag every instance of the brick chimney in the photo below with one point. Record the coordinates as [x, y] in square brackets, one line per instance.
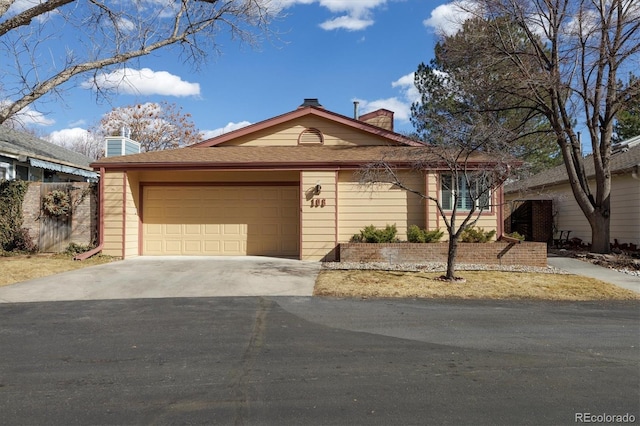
[382, 118]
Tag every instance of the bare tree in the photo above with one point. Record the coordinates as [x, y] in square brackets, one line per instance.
[585, 49]
[107, 34]
[83, 141]
[156, 126]
[471, 163]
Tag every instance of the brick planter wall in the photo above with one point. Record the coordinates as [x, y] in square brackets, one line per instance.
[496, 253]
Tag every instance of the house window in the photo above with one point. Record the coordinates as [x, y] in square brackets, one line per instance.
[22, 172]
[471, 189]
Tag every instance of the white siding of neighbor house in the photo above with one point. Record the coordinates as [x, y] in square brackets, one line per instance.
[625, 209]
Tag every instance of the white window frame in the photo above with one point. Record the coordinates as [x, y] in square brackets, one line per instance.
[465, 201]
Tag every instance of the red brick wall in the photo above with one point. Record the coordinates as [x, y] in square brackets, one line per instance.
[495, 253]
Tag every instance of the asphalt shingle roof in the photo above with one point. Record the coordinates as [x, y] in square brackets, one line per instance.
[621, 162]
[270, 157]
[20, 143]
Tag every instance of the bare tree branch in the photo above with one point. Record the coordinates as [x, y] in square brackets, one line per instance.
[112, 33]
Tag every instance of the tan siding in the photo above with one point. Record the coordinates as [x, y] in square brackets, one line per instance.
[379, 205]
[132, 218]
[318, 222]
[287, 134]
[434, 221]
[113, 223]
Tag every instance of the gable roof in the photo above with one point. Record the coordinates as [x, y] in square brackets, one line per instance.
[303, 111]
[624, 160]
[15, 144]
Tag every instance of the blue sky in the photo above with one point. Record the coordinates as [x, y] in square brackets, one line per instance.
[335, 50]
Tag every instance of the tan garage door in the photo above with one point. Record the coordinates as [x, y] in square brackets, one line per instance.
[221, 220]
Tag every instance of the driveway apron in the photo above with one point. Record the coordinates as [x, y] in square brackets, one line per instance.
[160, 277]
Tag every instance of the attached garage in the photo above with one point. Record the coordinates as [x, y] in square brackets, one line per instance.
[283, 187]
[226, 220]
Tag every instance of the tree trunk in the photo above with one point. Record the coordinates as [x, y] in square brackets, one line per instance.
[600, 232]
[451, 258]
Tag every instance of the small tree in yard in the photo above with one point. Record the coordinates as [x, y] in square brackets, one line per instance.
[471, 161]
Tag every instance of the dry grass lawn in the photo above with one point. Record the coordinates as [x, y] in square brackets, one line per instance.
[380, 284]
[478, 285]
[15, 269]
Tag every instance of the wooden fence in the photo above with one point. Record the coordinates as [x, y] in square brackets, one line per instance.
[55, 233]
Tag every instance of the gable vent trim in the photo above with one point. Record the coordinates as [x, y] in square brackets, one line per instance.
[311, 136]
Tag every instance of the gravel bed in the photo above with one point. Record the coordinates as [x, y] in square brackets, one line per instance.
[437, 267]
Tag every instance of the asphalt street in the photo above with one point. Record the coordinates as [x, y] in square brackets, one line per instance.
[317, 361]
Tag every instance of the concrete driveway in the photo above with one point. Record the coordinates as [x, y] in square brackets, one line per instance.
[168, 276]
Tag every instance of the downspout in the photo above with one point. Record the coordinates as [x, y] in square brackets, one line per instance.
[98, 248]
[500, 212]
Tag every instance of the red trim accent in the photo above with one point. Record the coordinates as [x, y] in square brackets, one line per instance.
[500, 212]
[218, 183]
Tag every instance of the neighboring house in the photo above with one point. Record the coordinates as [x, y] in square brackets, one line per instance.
[286, 187]
[553, 185]
[25, 157]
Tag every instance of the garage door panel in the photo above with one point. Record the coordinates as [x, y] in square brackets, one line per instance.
[210, 229]
[191, 229]
[193, 247]
[212, 246]
[216, 220]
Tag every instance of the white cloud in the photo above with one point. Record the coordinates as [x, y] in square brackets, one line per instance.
[447, 19]
[78, 123]
[143, 82]
[400, 104]
[400, 108]
[28, 117]
[356, 14]
[346, 22]
[226, 129]
[65, 137]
